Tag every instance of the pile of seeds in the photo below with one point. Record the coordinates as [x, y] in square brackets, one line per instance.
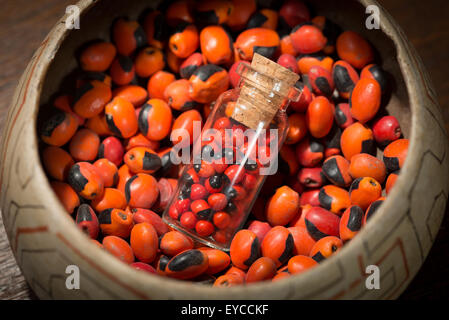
[106, 147]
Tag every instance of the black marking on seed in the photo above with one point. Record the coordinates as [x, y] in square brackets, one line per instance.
[323, 85]
[115, 179]
[350, 99]
[313, 231]
[383, 144]
[207, 153]
[255, 253]
[256, 20]
[340, 116]
[216, 181]
[373, 208]
[207, 150]
[355, 184]
[187, 177]
[315, 146]
[151, 161]
[206, 71]
[105, 216]
[76, 179]
[125, 63]
[392, 163]
[230, 192]
[333, 137]
[197, 167]
[128, 188]
[185, 260]
[51, 124]
[159, 240]
[112, 126]
[229, 154]
[324, 179]
[251, 166]
[206, 17]
[368, 146]
[218, 155]
[205, 214]
[289, 243]
[180, 27]
[267, 52]
[186, 188]
[283, 29]
[187, 71]
[333, 173]
[101, 151]
[84, 213]
[342, 80]
[325, 200]
[189, 105]
[318, 257]
[163, 261]
[379, 75]
[183, 196]
[231, 41]
[166, 163]
[143, 118]
[140, 37]
[230, 207]
[81, 91]
[355, 218]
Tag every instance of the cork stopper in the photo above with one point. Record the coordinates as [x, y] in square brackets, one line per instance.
[266, 86]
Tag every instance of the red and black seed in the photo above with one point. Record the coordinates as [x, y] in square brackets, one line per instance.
[355, 218]
[76, 179]
[151, 161]
[255, 253]
[314, 232]
[372, 209]
[128, 188]
[143, 118]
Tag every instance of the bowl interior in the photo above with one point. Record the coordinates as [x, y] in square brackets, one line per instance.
[96, 23]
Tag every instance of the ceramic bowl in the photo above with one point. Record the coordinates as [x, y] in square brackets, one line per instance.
[397, 239]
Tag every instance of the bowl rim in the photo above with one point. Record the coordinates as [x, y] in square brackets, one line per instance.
[115, 266]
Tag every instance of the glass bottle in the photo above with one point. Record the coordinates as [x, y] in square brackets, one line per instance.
[237, 149]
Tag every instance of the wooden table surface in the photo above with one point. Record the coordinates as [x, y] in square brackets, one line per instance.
[24, 24]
